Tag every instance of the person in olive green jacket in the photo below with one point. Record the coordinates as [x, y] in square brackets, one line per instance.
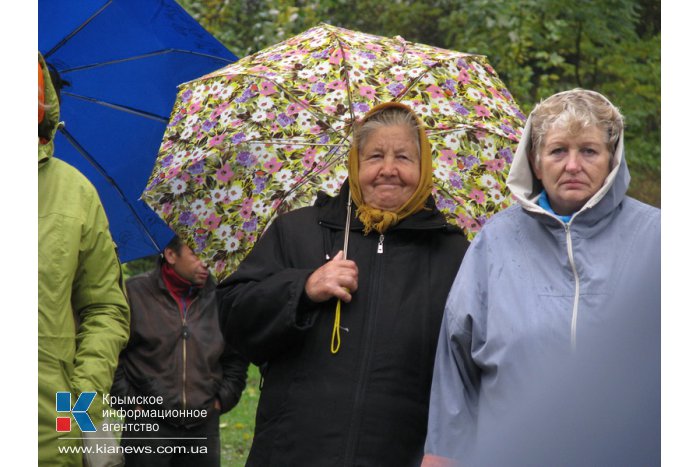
[83, 317]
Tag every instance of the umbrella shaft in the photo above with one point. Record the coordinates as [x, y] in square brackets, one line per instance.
[347, 227]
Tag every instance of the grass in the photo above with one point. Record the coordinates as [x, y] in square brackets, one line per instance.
[238, 425]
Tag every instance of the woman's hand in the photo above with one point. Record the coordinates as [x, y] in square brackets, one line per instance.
[336, 278]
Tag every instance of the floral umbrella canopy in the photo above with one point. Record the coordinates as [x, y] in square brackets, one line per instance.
[262, 136]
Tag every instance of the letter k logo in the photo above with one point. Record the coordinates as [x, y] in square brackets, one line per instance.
[79, 411]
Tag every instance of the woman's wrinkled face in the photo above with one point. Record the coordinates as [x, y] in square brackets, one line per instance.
[389, 167]
[572, 168]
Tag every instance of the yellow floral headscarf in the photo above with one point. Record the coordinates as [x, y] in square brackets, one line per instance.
[378, 219]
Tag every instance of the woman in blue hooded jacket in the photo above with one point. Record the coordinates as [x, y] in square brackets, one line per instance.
[542, 274]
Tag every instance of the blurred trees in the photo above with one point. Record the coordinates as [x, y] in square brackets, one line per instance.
[139, 266]
[538, 47]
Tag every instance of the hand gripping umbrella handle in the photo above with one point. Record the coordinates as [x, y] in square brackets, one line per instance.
[335, 336]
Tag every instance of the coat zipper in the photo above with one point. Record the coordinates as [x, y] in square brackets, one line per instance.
[574, 317]
[184, 365]
[185, 336]
[184, 357]
[353, 427]
[572, 263]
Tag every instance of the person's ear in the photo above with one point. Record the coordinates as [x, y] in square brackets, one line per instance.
[534, 165]
[170, 256]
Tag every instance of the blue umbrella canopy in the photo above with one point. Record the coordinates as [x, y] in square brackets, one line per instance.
[120, 62]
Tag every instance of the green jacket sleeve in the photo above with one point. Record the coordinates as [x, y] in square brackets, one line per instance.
[99, 301]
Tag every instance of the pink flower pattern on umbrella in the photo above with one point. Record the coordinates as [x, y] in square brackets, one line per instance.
[435, 92]
[368, 92]
[482, 111]
[495, 165]
[212, 222]
[267, 88]
[477, 195]
[224, 174]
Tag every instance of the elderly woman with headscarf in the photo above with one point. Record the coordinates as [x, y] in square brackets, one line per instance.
[540, 273]
[367, 404]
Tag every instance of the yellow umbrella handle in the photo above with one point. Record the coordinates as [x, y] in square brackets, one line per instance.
[335, 337]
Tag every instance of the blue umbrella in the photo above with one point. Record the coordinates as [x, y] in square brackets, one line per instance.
[120, 62]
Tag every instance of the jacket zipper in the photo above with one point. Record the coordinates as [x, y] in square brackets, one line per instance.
[572, 263]
[353, 428]
[185, 336]
[184, 357]
[184, 368]
[574, 317]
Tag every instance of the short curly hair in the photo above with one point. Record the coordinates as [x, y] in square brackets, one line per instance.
[575, 110]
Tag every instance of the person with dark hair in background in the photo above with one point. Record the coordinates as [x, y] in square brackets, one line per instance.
[83, 316]
[176, 352]
[359, 395]
[542, 279]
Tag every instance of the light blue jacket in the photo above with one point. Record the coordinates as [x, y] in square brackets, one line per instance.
[528, 287]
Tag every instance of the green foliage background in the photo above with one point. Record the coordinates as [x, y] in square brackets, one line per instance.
[538, 47]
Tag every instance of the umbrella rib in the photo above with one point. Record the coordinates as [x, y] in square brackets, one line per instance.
[288, 141]
[76, 31]
[292, 97]
[83, 152]
[123, 108]
[142, 56]
[346, 136]
[463, 127]
[412, 84]
[347, 78]
[315, 171]
[307, 107]
[403, 93]
[492, 131]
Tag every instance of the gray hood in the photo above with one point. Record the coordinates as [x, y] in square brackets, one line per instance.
[526, 188]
